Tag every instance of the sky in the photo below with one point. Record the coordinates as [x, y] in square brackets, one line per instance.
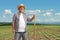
[46, 11]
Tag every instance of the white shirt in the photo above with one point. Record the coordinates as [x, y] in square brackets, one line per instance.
[21, 23]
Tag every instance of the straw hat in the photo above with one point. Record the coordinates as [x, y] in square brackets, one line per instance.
[21, 5]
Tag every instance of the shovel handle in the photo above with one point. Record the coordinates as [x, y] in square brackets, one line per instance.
[35, 28]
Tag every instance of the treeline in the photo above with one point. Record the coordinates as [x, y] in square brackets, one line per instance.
[6, 24]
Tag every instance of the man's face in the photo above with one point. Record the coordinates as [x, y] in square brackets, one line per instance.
[21, 9]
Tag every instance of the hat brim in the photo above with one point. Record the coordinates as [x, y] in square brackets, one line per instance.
[20, 7]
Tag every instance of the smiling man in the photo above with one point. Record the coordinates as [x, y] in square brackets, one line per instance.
[19, 23]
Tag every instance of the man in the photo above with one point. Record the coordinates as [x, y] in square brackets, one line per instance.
[19, 23]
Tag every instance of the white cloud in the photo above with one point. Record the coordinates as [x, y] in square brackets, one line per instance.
[38, 20]
[36, 12]
[47, 14]
[4, 16]
[55, 20]
[58, 14]
[51, 20]
[50, 10]
[7, 11]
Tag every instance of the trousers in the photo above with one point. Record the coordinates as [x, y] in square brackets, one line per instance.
[19, 35]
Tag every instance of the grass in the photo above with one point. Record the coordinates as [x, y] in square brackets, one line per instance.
[43, 32]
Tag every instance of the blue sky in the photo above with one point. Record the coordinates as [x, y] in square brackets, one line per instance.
[46, 11]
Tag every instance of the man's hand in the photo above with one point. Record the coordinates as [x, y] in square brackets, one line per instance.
[33, 16]
[13, 31]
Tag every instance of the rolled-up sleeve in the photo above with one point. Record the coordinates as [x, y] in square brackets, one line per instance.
[13, 20]
[28, 19]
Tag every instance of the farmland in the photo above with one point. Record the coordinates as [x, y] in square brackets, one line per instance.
[43, 32]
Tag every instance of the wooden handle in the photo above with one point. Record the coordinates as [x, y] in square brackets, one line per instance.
[35, 28]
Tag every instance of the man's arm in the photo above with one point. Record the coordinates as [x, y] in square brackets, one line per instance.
[13, 23]
[30, 19]
[13, 27]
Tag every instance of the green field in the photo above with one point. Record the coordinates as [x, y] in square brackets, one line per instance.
[43, 32]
